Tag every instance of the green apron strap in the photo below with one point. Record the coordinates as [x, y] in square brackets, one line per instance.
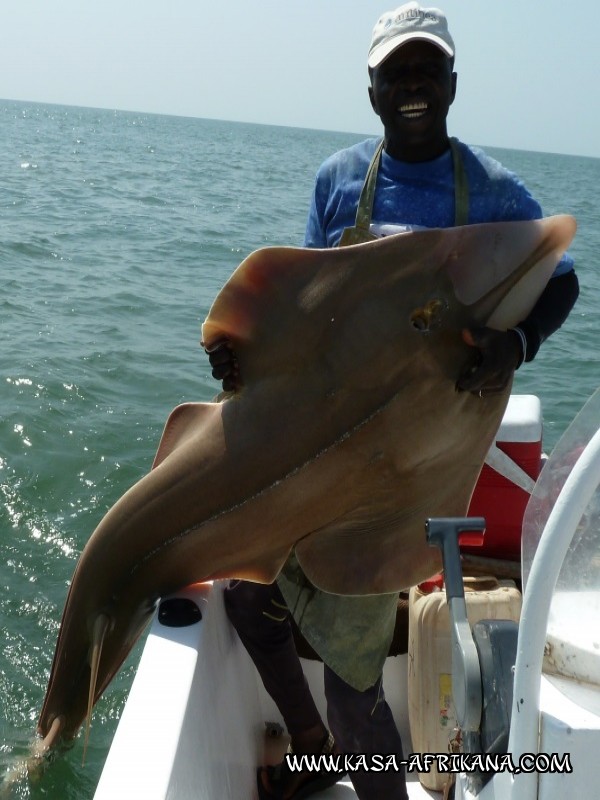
[461, 185]
[361, 231]
[367, 195]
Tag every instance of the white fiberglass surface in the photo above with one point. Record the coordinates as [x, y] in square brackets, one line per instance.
[573, 633]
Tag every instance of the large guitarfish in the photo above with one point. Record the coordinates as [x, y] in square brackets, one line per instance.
[348, 432]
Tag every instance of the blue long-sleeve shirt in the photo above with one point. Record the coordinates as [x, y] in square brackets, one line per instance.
[414, 195]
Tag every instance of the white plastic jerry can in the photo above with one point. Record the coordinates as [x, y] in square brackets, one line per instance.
[430, 708]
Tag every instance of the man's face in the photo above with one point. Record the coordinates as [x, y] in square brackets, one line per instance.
[412, 91]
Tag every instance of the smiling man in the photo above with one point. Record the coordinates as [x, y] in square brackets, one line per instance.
[413, 84]
[423, 178]
[415, 177]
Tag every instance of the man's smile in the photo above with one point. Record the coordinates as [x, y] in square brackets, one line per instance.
[413, 110]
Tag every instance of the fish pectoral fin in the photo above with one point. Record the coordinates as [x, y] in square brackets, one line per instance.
[183, 423]
[241, 302]
[519, 258]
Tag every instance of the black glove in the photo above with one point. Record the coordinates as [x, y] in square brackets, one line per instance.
[498, 357]
[225, 365]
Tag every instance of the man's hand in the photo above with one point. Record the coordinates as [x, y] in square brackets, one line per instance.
[225, 365]
[498, 357]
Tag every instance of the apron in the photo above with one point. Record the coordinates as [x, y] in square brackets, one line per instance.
[361, 231]
[352, 634]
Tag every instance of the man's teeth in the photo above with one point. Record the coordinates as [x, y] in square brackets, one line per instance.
[412, 110]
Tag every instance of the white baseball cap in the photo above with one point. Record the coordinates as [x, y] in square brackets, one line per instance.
[407, 23]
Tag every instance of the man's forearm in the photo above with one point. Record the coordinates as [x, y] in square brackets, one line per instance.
[549, 313]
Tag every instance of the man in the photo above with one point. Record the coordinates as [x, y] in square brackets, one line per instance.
[418, 178]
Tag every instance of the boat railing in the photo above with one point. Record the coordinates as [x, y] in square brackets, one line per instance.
[558, 533]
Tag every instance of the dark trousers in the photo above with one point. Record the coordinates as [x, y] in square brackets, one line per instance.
[361, 722]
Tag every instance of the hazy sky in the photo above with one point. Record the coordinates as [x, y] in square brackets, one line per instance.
[527, 69]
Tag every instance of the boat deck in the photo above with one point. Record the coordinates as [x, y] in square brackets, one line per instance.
[198, 686]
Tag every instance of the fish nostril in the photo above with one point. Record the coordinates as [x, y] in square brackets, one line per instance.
[419, 322]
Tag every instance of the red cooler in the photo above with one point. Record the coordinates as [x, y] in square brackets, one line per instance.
[502, 490]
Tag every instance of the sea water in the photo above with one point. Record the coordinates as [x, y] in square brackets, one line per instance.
[117, 230]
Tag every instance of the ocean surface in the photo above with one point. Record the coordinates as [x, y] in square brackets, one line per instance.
[117, 230]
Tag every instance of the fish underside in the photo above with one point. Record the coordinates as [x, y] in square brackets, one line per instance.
[346, 435]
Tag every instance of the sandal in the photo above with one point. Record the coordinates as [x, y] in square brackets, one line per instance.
[279, 777]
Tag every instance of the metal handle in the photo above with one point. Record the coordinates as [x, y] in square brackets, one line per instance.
[444, 533]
